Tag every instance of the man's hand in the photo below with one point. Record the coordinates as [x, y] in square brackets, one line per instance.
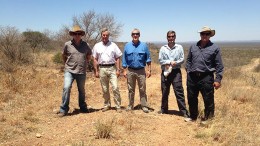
[173, 63]
[117, 73]
[216, 85]
[125, 73]
[97, 74]
[148, 74]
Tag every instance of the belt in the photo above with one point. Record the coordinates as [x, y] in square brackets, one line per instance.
[200, 74]
[135, 68]
[106, 64]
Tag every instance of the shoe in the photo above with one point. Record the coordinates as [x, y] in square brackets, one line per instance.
[60, 114]
[162, 112]
[129, 108]
[145, 109]
[84, 110]
[187, 119]
[204, 123]
[119, 110]
[105, 109]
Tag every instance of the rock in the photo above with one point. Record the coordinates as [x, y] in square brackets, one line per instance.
[38, 135]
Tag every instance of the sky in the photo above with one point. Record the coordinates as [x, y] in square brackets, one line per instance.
[233, 20]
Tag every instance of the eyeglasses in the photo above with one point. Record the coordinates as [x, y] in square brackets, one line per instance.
[135, 34]
[76, 33]
[171, 36]
[205, 33]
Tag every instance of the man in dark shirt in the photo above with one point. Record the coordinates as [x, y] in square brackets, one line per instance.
[76, 54]
[204, 59]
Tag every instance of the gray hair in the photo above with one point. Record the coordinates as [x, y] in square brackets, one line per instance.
[170, 32]
[104, 30]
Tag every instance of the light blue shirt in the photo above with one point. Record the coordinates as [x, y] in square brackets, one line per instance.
[136, 55]
[167, 55]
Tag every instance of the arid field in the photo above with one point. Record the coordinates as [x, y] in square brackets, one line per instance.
[31, 93]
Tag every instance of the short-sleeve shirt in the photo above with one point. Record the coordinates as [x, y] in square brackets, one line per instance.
[76, 56]
[106, 53]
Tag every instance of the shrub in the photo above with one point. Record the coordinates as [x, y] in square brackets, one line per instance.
[257, 68]
[104, 129]
[57, 58]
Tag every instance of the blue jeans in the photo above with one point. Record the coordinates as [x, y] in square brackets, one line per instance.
[68, 80]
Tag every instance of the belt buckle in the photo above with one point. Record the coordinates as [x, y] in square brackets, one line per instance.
[198, 74]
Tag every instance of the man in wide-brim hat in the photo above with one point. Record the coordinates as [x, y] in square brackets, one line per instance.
[76, 29]
[206, 29]
[203, 61]
[76, 54]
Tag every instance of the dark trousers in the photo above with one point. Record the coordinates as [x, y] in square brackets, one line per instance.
[203, 83]
[174, 79]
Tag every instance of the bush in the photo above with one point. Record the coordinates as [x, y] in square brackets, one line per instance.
[57, 58]
[13, 51]
[257, 68]
[104, 129]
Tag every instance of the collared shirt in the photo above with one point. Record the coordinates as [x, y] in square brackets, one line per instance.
[206, 59]
[106, 53]
[167, 55]
[136, 55]
[76, 56]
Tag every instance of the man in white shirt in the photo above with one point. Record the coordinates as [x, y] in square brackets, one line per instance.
[106, 64]
[171, 56]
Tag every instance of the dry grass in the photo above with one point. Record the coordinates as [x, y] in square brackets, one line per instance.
[29, 94]
[104, 128]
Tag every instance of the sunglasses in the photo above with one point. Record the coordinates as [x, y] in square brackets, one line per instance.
[205, 33]
[171, 36]
[135, 33]
[77, 34]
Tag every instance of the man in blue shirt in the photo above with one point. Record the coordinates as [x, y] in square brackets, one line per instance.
[135, 57]
[172, 56]
[203, 60]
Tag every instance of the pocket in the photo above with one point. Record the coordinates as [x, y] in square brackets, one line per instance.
[130, 56]
[208, 56]
[141, 56]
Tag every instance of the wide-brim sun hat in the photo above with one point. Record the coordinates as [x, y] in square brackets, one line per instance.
[207, 29]
[76, 29]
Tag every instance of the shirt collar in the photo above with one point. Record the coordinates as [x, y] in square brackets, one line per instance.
[167, 46]
[208, 44]
[73, 41]
[136, 44]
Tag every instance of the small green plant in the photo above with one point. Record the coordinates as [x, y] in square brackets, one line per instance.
[57, 58]
[104, 129]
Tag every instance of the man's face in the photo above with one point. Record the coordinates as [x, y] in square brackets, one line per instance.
[135, 35]
[205, 36]
[171, 38]
[105, 36]
[77, 35]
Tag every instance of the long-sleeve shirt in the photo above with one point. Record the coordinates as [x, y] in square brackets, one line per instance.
[207, 59]
[136, 55]
[167, 55]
